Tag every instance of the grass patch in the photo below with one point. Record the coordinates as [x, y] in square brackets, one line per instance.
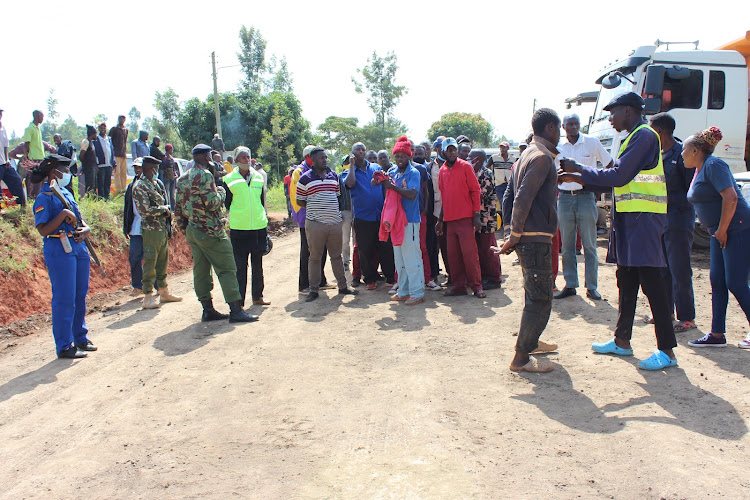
[20, 241]
[275, 199]
[105, 219]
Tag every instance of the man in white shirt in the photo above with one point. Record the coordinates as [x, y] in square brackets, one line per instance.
[8, 174]
[576, 209]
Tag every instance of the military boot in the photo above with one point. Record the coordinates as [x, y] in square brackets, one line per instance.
[149, 301]
[209, 313]
[165, 296]
[237, 315]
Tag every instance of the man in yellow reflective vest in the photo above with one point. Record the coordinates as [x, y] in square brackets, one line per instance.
[638, 222]
[247, 223]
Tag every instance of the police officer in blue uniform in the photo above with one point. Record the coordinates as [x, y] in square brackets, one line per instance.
[66, 257]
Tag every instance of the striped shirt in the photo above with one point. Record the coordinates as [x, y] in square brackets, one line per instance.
[321, 195]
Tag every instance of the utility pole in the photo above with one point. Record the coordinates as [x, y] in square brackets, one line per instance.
[532, 111]
[216, 96]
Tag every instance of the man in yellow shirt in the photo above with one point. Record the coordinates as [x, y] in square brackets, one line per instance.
[33, 151]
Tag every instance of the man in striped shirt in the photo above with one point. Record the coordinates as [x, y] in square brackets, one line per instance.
[318, 191]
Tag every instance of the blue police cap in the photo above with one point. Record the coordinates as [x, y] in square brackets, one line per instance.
[630, 99]
[201, 149]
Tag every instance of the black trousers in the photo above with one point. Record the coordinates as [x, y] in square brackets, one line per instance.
[651, 281]
[249, 245]
[368, 245]
[103, 181]
[304, 256]
[89, 179]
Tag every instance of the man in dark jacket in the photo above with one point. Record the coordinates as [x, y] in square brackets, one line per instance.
[638, 221]
[131, 227]
[532, 226]
[105, 161]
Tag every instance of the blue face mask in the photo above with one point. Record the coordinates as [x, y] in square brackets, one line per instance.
[65, 179]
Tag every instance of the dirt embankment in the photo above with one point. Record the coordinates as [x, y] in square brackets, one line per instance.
[26, 306]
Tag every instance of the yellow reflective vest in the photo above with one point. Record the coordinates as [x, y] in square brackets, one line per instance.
[247, 212]
[647, 192]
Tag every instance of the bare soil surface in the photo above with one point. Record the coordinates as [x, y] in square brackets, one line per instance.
[359, 397]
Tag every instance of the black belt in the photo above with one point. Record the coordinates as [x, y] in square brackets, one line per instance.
[576, 192]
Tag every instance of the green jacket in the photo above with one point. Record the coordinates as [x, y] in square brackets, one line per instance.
[199, 203]
[151, 204]
[246, 211]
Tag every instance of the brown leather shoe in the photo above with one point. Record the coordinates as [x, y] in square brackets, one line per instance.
[262, 302]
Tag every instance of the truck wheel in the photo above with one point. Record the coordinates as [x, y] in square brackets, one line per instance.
[701, 237]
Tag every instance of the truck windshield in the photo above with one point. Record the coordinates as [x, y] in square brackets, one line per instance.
[606, 95]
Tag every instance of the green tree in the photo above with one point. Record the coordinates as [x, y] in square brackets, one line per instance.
[101, 117]
[376, 137]
[339, 133]
[273, 144]
[135, 117]
[282, 79]
[252, 56]
[52, 113]
[379, 81]
[471, 125]
[70, 130]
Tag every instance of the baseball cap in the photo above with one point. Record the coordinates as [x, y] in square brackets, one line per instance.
[449, 141]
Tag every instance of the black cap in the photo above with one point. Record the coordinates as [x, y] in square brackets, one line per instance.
[631, 99]
[462, 139]
[201, 149]
[150, 160]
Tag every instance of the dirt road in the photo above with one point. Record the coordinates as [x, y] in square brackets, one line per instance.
[365, 398]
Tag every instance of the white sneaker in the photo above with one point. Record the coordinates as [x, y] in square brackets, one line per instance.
[393, 290]
[431, 285]
[745, 344]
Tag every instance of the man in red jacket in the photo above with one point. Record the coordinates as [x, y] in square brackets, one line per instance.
[459, 190]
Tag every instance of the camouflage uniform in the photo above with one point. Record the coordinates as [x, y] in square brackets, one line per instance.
[150, 201]
[199, 211]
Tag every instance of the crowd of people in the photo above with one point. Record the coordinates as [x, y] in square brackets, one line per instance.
[393, 216]
[102, 155]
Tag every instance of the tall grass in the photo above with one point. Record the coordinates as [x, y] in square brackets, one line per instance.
[19, 239]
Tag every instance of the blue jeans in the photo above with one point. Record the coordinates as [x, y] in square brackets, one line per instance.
[14, 182]
[409, 265]
[135, 257]
[730, 270]
[69, 276]
[678, 242]
[170, 188]
[578, 213]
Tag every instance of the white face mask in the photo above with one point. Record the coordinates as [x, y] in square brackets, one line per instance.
[65, 180]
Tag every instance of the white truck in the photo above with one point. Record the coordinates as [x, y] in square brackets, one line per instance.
[699, 88]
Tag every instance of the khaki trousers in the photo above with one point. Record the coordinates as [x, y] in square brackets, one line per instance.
[121, 174]
[319, 237]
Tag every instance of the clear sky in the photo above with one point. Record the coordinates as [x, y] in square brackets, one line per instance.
[488, 57]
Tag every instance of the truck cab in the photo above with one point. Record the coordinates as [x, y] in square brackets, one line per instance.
[699, 88]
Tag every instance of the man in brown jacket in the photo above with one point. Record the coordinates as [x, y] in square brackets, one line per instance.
[533, 224]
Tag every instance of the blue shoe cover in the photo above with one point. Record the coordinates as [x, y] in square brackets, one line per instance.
[610, 348]
[657, 361]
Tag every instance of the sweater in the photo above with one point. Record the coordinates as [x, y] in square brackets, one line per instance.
[534, 218]
[393, 219]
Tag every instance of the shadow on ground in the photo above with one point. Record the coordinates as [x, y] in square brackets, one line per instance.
[556, 397]
[193, 337]
[27, 382]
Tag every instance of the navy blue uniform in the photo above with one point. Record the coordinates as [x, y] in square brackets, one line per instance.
[68, 272]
